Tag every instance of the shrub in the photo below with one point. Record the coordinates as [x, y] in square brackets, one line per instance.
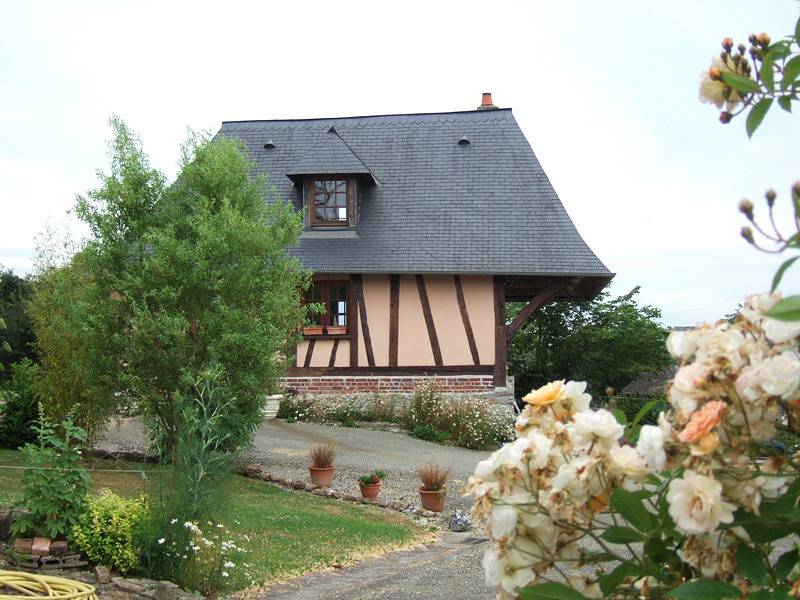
[16, 338]
[18, 410]
[322, 456]
[429, 434]
[476, 423]
[295, 408]
[106, 530]
[433, 477]
[372, 478]
[54, 488]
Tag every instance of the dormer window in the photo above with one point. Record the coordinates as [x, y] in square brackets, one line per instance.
[330, 201]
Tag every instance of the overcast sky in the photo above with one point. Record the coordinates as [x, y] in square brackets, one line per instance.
[606, 93]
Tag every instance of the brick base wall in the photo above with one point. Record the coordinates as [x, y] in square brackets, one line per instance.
[355, 384]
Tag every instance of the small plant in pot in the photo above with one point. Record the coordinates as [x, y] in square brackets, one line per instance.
[370, 484]
[321, 467]
[433, 490]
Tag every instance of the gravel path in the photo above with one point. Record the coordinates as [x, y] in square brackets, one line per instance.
[281, 449]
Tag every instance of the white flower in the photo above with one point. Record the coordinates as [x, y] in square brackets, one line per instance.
[224, 573]
[684, 391]
[162, 540]
[696, 505]
[575, 394]
[228, 565]
[540, 446]
[625, 460]
[503, 521]
[173, 521]
[651, 447]
[780, 331]
[585, 585]
[682, 344]
[595, 427]
[776, 331]
[774, 376]
[711, 91]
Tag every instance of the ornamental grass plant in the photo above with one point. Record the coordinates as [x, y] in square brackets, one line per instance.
[322, 456]
[433, 477]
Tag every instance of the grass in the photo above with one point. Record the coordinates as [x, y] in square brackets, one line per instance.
[291, 532]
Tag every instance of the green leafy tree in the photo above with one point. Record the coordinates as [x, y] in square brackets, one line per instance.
[607, 342]
[16, 338]
[19, 399]
[188, 277]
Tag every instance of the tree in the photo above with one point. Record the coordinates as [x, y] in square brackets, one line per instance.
[605, 342]
[188, 278]
[16, 339]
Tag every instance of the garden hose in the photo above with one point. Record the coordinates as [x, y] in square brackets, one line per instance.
[29, 585]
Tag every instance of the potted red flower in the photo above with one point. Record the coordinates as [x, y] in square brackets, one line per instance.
[432, 492]
[321, 467]
[370, 484]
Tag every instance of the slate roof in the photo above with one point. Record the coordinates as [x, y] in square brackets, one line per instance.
[439, 207]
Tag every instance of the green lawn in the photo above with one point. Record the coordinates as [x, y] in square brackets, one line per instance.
[290, 532]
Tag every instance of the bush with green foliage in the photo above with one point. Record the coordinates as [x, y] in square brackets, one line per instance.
[19, 403]
[106, 530]
[63, 310]
[16, 338]
[429, 434]
[55, 484]
[606, 342]
[190, 275]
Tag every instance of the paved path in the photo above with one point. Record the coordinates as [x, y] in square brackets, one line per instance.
[450, 569]
[282, 449]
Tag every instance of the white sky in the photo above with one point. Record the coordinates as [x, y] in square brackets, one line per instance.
[606, 93]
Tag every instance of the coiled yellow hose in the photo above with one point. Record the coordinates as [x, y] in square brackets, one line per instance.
[29, 585]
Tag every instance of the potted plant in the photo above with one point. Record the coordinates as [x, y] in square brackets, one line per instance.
[312, 330]
[433, 490]
[321, 467]
[336, 329]
[370, 484]
[272, 404]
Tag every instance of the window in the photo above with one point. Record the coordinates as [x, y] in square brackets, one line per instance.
[329, 201]
[333, 296]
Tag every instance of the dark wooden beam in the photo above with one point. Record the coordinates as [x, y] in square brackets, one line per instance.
[332, 361]
[500, 374]
[399, 371]
[309, 353]
[394, 318]
[426, 312]
[352, 320]
[362, 314]
[462, 306]
[542, 298]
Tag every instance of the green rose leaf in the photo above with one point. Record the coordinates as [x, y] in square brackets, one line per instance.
[550, 591]
[704, 589]
[619, 415]
[622, 535]
[632, 510]
[786, 563]
[790, 72]
[610, 581]
[741, 84]
[756, 115]
[787, 309]
[751, 564]
[779, 593]
[767, 72]
[781, 270]
[785, 103]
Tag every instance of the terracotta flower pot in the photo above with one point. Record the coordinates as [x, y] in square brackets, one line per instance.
[337, 330]
[433, 501]
[321, 477]
[370, 492]
[312, 330]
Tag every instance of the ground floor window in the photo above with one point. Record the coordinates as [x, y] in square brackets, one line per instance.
[333, 296]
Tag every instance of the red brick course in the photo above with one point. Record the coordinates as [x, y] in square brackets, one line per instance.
[456, 384]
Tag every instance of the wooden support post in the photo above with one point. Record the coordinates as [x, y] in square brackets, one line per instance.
[500, 375]
[394, 318]
[352, 320]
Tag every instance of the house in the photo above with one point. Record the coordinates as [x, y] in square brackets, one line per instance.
[419, 228]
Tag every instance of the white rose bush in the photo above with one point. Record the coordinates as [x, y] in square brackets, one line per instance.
[584, 505]
[704, 504]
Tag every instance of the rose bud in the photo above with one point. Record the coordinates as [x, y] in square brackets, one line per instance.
[763, 39]
[714, 74]
[747, 234]
[741, 49]
[725, 117]
[770, 195]
[746, 208]
[727, 43]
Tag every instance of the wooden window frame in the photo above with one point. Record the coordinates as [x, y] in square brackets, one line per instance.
[349, 190]
[324, 286]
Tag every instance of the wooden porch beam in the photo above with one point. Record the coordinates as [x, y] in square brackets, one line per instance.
[542, 298]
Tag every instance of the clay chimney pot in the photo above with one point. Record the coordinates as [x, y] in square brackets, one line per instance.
[486, 102]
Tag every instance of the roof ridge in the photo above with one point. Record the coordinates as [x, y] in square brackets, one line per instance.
[487, 113]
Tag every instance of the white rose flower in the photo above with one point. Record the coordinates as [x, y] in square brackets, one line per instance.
[626, 461]
[711, 91]
[684, 392]
[494, 566]
[598, 427]
[503, 521]
[575, 394]
[780, 375]
[585, 585]
[776, 331]
[696, 504]
[540, 450]
[651, 447]
[682, 344]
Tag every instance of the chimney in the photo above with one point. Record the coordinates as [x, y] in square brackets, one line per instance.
[486, 102]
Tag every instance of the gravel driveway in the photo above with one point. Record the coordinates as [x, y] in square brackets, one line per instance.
[281, 449]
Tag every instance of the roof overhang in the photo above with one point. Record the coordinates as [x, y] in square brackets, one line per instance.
[522, 288]
[296, 176]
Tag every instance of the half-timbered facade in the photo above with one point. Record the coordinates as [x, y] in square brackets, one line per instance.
[419, 228]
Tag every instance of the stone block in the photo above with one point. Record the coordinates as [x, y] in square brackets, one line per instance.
[102, 574]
